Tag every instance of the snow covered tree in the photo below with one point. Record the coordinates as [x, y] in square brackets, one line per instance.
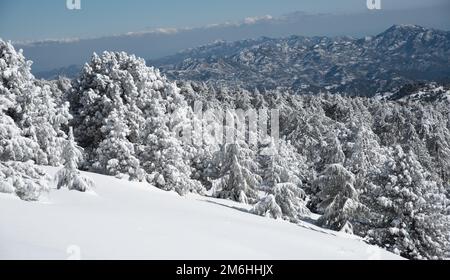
[69, 176]
[30, 112]
[365, 153]
[43, 120]
[332, 152]
[24, 179]
[163, 156]
[324, 152]
[282, 178]
[305, 133]
[116, 154]
[113, 82]
[238, 177]
[439, 145]
[339, 198]
[389, 123]
[13, 145]
[267, 207]
[408, 210]
[366, 158]
[337, 108]
[15, 75]
[130, 104]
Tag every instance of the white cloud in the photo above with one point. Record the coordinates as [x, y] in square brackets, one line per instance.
[253, 20]
[162, 30]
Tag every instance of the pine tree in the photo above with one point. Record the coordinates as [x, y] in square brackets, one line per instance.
[365, 159]
[408, 209]
[32, 116]
[24, 179]
[339, 198]
[69, 176]
[365, 153]
[113, 82]
[238, 177]
[439, 145]
[332, 152]
[43, 119]
[13, 145]
[163, 156]
[282, 178]
[116, 155]
[267, 207]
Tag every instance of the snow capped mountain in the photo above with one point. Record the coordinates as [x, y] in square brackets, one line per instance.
[400, 55]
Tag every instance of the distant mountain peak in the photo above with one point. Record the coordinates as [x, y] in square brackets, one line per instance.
[403, 28]
[408, 26]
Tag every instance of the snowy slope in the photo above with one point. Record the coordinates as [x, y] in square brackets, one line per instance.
[126, 220]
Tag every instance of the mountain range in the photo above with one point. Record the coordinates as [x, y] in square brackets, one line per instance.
[401, 55]
[155, 43]
[391, 62]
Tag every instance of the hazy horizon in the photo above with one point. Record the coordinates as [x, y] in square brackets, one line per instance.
[100, 18]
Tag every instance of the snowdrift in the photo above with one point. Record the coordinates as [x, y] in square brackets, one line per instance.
[128, 220]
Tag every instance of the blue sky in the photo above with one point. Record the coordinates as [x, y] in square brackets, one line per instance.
[45, 19]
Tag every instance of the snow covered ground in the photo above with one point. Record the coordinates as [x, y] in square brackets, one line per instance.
[128, 220]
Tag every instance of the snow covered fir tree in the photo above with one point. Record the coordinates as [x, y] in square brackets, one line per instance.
[374, 167]
[69, 176]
